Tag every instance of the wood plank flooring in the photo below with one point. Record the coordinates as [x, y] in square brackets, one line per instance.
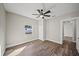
[43, 48]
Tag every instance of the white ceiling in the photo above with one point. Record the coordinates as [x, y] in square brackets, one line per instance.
[27, 9]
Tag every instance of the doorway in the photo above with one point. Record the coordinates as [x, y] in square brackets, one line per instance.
[69, 30]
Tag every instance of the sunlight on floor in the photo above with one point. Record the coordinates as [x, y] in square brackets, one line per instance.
[17, 51]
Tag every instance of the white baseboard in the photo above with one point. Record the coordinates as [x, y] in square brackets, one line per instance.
[55, 41]
[11, 45]
[3, 52]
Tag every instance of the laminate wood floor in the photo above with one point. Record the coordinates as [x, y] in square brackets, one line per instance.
[43, 48]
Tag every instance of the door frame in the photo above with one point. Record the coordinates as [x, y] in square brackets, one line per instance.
[62, 28]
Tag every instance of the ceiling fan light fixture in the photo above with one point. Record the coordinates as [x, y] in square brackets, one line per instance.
[41, 16]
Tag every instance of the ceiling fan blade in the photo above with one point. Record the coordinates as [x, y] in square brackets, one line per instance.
[47, 12]
[38, 16]
[47, 15]
[35, 14]
[38, 10]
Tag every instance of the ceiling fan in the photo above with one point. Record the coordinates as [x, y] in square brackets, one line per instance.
[42, 14]
[45, 12]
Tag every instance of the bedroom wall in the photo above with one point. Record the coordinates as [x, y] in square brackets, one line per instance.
[77, 37]
[53, 31]
[16, 32]
[41, 34]
[42, 29]
[2, 29]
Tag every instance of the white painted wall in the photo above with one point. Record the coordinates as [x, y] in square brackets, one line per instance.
[42, 29]
[77, 34]
[53, 31]
[2, 29]
[16, 31]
